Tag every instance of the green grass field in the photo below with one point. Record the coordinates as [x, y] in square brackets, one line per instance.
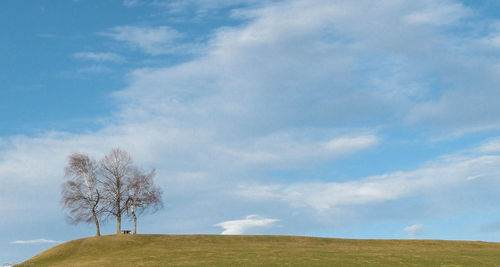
[217, 250]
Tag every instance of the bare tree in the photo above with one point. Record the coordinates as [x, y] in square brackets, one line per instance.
[116, 169]
[143, 194]
[81, 194]
[113, 186]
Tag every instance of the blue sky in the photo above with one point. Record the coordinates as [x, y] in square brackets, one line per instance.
[354, 119]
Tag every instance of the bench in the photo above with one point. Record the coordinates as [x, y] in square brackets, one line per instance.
[126, 232]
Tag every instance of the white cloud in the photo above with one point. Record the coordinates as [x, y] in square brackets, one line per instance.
[203, 7]
[490, 146]
[351, 144]
[495, 41]
[99, 57]
[358, 73]
[251, 99]
[414, 230]
[239, 227]
[35, 241]
[442, 14]
[450, 171]
[288, 148]
[151, 40]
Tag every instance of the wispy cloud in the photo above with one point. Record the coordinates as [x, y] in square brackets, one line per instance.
[351, 144]
[238, 227]
[450, 171]
[203, 7]
[444, 14]
[260, 75]
[490, 146]
[99, 57]
[151, 40]
[287, 148]
[131, 3]
[94, 69]
[35, 241]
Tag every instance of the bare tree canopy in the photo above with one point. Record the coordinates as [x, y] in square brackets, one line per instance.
[112, 186]
[143, 194]
[115, 170]
[81, 193]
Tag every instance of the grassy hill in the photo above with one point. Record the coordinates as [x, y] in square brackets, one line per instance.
[203, 250]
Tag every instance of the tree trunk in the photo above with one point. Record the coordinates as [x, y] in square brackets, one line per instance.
[118, 224]
[135, 223]
[118, 215]
[98, 231]
[135, 219]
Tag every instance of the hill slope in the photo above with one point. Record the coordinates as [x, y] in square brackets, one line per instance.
[161, 250]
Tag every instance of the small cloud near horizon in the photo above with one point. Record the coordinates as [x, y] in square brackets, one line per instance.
[238, 227]
[414, 230]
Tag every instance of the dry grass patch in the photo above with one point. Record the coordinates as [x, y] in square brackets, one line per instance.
[217, 250]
